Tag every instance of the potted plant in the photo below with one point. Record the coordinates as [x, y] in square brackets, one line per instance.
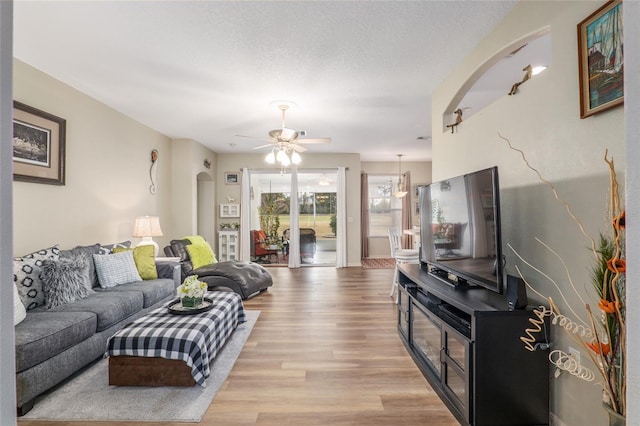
[270, 222]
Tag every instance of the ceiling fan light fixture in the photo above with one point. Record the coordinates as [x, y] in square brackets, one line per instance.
[295, 158]
[281, 155]
[270, 158]
[285, 161]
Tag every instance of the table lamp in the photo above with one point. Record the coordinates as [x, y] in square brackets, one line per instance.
[147, 227]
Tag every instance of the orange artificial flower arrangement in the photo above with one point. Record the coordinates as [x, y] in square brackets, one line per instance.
[604, 339]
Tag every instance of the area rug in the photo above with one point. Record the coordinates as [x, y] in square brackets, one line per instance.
[378, 263]
[88, 397]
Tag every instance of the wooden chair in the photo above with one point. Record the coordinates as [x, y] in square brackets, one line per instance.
[401, 255]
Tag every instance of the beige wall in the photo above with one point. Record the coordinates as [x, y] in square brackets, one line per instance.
[235, 162]
[192, 207]
[420, 175]
[543, 120]
[108, 157]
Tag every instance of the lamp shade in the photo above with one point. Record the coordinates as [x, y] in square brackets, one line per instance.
[147, 226]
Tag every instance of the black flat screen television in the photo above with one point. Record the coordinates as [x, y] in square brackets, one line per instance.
[460, 230]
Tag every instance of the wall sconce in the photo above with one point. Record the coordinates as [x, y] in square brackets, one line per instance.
[152, 171]
[207, 163]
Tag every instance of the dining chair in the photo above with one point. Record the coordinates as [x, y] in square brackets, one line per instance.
[401, 255]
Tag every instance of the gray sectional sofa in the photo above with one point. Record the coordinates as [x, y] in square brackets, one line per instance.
[54, 343]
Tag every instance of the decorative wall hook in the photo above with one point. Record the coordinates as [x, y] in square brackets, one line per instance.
[207, 163]
[528, 70]
[458, 114]
[152, 169]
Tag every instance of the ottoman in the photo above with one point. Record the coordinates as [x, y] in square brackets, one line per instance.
[165, 349]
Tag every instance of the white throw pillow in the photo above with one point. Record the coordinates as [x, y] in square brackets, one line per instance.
[115, 269]
[19, 311]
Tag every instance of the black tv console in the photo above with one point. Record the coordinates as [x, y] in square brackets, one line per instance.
[467, 345]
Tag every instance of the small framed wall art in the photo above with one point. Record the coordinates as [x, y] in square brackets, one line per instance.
[38, 146]
[601, 59]
[232, 178]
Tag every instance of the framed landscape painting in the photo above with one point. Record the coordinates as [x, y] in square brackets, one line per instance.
[231, 178]
[601, 59]
[38, 145]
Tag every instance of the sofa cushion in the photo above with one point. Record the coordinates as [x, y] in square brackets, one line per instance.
[153, 291]
[145, 260]
[110, 307]
[43, 335]
[27, 271]
[87, 251]
[115, 269]
[19, 311]
[65, 280]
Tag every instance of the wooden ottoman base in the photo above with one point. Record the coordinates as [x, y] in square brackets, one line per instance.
[143, 371]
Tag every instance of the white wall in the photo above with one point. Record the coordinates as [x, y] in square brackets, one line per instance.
[235, 162]
[7, 338]
[108, 157]
[543, 120]
[420, 175]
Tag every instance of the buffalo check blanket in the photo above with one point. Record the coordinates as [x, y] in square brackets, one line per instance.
[194, 339]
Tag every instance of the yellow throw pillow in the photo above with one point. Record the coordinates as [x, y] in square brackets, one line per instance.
[201, 255]
[144, 258]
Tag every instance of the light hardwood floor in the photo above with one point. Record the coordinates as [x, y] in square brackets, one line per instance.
[325, 351]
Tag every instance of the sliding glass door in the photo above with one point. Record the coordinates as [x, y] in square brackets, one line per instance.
[270, 217]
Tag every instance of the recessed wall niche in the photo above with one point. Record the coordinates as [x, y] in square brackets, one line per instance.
[496, 77]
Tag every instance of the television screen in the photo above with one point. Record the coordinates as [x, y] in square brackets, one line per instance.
[460, 230]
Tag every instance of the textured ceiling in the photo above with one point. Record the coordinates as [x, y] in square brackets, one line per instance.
[360, 72]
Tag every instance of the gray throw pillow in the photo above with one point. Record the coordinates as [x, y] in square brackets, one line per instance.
[115, 269]
[88, 251]
[65, 280]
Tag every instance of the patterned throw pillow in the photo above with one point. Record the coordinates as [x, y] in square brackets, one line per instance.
[19, 312]
[65, 280]
[145, 260]
[115, 269]
[27, 272]
[108, 249]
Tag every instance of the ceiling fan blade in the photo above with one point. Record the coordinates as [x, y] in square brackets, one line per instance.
[314, 140]
[264, 146]
[254, 137]
[297, 147]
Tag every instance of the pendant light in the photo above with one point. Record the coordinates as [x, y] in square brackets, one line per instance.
[399, 193]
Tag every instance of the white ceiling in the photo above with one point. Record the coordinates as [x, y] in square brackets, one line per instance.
[360, 72]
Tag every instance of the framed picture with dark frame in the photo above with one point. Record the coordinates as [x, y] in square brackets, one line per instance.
[38, 146]
[601, 59]
[231, 178]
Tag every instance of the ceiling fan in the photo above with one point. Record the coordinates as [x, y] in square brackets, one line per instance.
[285, 139]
